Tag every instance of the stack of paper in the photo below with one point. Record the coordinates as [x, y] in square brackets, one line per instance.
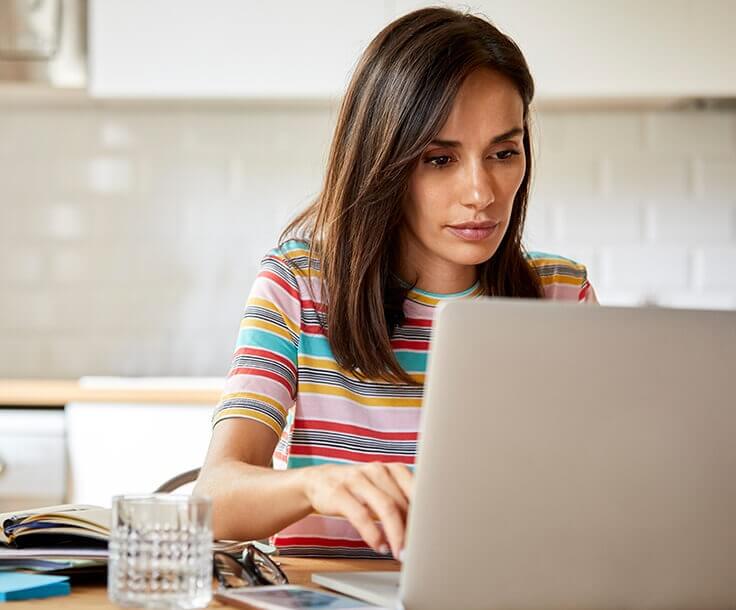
[68, 539]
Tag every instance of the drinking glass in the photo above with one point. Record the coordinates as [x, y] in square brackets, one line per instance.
[160, 551]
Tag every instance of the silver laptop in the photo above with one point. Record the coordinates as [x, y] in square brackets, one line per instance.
[571, 457]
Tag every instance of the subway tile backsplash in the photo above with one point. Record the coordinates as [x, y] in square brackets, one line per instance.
[130, 234]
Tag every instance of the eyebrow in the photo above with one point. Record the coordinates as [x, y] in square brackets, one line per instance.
[516, 131]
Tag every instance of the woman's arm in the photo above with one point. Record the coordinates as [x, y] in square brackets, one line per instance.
[251, 500]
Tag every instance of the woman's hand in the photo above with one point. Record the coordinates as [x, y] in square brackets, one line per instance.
[362, 494]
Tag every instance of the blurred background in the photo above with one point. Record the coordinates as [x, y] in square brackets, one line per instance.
[151, 151]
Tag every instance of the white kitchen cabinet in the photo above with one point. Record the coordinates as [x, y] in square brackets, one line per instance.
[618, 49]
[247, 49]
[228, 48]
[32, 458]
[119, 448]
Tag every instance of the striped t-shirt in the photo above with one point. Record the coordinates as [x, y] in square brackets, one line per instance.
[285, 376]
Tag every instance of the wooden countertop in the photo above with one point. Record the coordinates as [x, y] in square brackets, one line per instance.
[299, 571]
[58, 392]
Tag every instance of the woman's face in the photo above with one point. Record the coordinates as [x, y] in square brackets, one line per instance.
[462, 190]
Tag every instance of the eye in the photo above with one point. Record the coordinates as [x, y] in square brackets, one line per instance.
[505, 155]
[439, 161]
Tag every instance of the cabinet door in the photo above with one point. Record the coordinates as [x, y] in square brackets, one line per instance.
[32, 458]
[132, 448]
[579, 49]
[227, 48]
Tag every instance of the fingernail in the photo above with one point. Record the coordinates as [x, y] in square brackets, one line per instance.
[383, 549]
[402, 554]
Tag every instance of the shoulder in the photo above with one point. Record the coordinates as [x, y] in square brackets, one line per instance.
[561, 277]
[557, 267]
[293, 257]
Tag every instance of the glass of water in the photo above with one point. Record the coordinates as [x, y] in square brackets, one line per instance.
[160, 551]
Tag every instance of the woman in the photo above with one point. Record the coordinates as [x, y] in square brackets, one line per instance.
[424, 200]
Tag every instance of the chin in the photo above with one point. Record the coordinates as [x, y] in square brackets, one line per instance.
[472, 253]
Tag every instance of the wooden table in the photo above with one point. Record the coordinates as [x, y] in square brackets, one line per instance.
[58, 392]
[298, 570]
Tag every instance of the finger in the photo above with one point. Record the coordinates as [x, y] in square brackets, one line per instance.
[404, 477]
[384, 507]
[361, 519]
[383, 478]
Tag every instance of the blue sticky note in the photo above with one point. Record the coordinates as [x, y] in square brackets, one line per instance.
[14, 586]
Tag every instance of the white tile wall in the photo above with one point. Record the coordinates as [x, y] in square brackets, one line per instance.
[130, 235]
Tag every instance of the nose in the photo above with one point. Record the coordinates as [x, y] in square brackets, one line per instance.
[478, 188]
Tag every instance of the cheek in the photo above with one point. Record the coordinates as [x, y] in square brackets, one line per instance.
[518, 176]
[425, 208]
[509, 185]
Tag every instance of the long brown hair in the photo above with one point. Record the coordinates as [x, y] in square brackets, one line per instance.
[400, 96]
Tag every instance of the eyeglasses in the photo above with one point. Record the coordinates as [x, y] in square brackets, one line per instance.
[254, 569]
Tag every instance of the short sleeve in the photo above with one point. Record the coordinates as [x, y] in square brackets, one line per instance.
[562, 279]
[262, 382]
[587, 293]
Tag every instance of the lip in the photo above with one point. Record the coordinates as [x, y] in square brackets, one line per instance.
[473, 231]
[485, 224]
